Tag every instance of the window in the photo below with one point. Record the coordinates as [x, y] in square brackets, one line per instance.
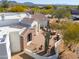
[29, 38]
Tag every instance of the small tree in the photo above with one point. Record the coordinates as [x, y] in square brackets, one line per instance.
[49, 7]
[61, 13]
[5, 3]
[77, 7]
[71, 33]
[2, 9]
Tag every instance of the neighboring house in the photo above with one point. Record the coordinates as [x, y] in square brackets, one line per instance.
[75, 14]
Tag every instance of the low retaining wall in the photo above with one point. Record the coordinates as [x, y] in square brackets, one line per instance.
[36, 56]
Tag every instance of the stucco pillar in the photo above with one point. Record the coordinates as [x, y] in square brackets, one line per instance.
[38, 27]
[2, 16]
[36, 30]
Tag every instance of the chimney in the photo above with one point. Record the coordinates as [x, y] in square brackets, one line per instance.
[29, 15]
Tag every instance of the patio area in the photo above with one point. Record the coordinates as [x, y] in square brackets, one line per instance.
[21, 55]
[37, 44]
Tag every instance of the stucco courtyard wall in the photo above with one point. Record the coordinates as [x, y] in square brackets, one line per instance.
[8, 22]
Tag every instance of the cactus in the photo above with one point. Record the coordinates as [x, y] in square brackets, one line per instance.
[47, 37]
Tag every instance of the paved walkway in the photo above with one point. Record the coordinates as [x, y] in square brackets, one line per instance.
[35, 56]
[21, 55]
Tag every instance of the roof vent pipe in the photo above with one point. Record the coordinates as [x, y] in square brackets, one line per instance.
[2, 16]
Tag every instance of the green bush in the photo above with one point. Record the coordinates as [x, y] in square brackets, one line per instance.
[61, 13]
[43, 11]
[49, 7]
[17, 9]
[2, 9]
[70, 31]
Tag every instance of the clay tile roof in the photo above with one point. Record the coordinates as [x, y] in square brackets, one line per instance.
[27, 20]
[38, 16]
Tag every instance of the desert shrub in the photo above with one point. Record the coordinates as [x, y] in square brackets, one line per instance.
[70, 31]
[17, 9]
